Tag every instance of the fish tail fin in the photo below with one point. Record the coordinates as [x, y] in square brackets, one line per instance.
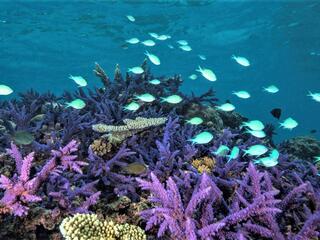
[309, 94]
[242, 126]
[245, 153]
[162, 99]
[146, 53]
[199, 69]
[233, 56]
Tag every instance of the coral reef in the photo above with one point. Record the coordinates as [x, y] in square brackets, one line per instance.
[303, 147]
[144, 173]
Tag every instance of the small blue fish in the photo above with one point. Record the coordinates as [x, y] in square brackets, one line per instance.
[195, 121]
[242, 94]
[185, 48]
[226, 107]
[241, 60]
[202, 138]
[173, 99]
[155, 82]
[314, 96]
[255, 125]
[256, 150]
[289, 123]
[146, 97]
[266, 162]
[133, 106]
[271, 89]
[274, 154]
[234, 153]
[182, 42]
[148, 43]
[222, 151]
[202, 57]
[256, 133]
[133, 40]
[130, 18]
[5, 90]
[136, 70]
[77, 104]
[193, 76]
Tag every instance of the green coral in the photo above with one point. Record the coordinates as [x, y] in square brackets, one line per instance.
[90, 227]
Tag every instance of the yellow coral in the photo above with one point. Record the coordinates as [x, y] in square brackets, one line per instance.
[204, 164]
[89, 227]
[131, 232]
[101, 147]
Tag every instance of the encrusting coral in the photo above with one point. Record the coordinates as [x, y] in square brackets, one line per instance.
[90, 227]
[118, 133]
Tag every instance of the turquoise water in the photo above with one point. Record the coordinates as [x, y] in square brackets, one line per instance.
[42, 42]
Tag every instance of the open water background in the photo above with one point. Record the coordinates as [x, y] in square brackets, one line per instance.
[42, 42]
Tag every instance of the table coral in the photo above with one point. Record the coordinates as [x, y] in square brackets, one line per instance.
[118, 133]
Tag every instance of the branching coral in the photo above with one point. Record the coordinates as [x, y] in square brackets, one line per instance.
[204, 164]
[20, 189]
[173, 214]
[252, 211]
[100, 147]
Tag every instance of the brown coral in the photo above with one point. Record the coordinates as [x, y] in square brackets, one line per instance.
[204, 164]
[101, 147]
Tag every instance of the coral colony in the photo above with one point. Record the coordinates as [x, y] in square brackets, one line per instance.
[138, 159]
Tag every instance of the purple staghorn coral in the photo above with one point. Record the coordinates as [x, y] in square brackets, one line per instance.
[253, 210]
[21, 190]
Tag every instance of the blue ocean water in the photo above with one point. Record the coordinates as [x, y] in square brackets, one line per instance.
[42, 42]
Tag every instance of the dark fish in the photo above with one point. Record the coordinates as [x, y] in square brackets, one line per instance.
[276, 112]
[136, 168]
[313, 131]
[124, 46]
[23, 138]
